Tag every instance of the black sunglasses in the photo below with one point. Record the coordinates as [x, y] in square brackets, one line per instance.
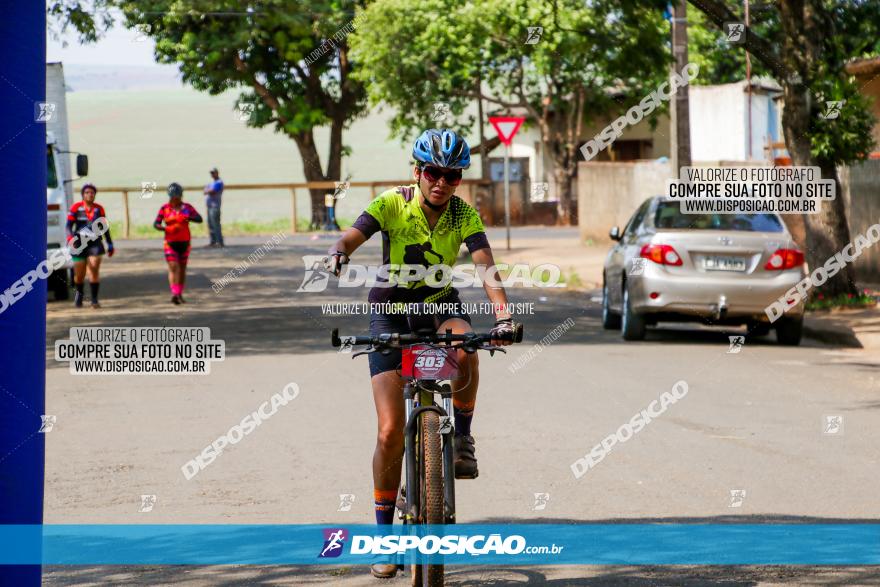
[433, 174]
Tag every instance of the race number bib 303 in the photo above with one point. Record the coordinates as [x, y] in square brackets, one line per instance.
[426, 362]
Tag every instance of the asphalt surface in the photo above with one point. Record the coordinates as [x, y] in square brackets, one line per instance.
[752, 421]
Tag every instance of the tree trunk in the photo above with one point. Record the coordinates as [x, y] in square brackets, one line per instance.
[826, 232]
[803, 32]
[564, 207]
[308, 151]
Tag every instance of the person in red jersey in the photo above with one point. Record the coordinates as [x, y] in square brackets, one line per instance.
[173, 219]
[80, 218]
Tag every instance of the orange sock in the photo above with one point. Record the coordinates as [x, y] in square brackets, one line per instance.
[385, 500]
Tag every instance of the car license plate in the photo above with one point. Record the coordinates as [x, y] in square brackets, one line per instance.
[717, 263]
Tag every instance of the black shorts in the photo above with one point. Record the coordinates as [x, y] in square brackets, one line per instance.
[93, 250]
[403, 324]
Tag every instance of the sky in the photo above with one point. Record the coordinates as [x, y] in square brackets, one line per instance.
[118, 47]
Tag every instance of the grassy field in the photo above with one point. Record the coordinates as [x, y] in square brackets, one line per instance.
[177, 135]
[234, 228]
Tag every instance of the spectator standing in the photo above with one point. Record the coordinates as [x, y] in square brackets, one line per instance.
[213, 198]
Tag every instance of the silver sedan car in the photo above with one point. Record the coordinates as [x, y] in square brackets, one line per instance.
[720, 269]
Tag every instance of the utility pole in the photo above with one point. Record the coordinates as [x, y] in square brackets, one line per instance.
[484, 152]
[749, 86]
[680, 147]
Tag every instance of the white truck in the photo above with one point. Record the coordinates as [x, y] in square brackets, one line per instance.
[59, 178]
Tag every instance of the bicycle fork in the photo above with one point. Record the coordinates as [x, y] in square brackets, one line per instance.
[413, 486]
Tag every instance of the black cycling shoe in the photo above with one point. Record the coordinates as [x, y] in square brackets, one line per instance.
[175, 300]
[465, 457]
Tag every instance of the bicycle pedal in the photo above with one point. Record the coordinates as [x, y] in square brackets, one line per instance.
[474, 476]
[400, 504]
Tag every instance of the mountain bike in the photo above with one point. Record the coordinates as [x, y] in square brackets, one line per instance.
[428, 365]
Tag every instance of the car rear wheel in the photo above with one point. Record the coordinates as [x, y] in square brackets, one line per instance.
[59, 285]
[790, 330]
[758, 328]
[610, 320]
[633, 324]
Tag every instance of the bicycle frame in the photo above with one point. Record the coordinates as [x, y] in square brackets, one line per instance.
[424, 392]
[422, 383]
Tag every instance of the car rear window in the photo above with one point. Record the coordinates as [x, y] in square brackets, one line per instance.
[669, 216]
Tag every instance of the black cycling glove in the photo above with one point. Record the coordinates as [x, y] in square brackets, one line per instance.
[503, 330]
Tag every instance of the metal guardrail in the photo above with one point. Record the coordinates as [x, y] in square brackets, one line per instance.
[328, 185]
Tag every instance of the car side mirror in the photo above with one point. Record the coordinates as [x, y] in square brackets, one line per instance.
[614, 233]
[82, 165]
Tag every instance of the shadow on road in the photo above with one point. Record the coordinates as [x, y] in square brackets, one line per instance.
[261, 311]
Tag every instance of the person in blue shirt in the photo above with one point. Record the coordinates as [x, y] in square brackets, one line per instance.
[213, 197]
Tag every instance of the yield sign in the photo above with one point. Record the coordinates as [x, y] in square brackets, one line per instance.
[506, 127]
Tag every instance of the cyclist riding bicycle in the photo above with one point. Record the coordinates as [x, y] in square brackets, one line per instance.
[423, 224]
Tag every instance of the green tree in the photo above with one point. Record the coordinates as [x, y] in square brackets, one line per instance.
[289, 59]
[413, 54]
[89, 18]
[804, 45]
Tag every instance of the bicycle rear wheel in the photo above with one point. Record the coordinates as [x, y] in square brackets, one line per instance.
[431, 478]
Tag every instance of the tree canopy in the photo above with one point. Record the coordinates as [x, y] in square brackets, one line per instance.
[289, 59]
[585, 61]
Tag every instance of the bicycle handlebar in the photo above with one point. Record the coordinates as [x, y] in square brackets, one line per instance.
[390, 340]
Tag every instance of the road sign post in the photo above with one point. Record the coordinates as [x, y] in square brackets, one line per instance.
[507, 193]
[506, 127]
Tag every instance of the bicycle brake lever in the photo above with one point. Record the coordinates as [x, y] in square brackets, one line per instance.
[359, 353]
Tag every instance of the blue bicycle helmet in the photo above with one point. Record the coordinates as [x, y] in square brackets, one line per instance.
[442, 147]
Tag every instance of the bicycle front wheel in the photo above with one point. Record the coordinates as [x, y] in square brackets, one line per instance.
[431, 469]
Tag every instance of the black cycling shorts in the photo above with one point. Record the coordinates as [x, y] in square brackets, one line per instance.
[95, 249]
[403, 324]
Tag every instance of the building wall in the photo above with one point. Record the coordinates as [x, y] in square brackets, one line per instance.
[609, 193]
[763, 126]
[717, 115]
[720, 123]
[657, 136]
[527, 143]
[860, 185]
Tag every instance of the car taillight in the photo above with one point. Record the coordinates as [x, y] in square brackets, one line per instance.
[784, 259]
[661, 254]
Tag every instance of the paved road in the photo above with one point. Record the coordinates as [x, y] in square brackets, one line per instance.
[751, 421]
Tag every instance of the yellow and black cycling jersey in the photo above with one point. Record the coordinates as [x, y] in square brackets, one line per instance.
[408, 240]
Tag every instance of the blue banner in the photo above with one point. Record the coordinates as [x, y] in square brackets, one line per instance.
[463, 544]
[22, 249]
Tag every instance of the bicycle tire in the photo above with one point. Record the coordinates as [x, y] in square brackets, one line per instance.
[430, 444]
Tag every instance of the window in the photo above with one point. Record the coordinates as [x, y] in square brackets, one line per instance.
[637, 218]
[669, 215]
[51, 175]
